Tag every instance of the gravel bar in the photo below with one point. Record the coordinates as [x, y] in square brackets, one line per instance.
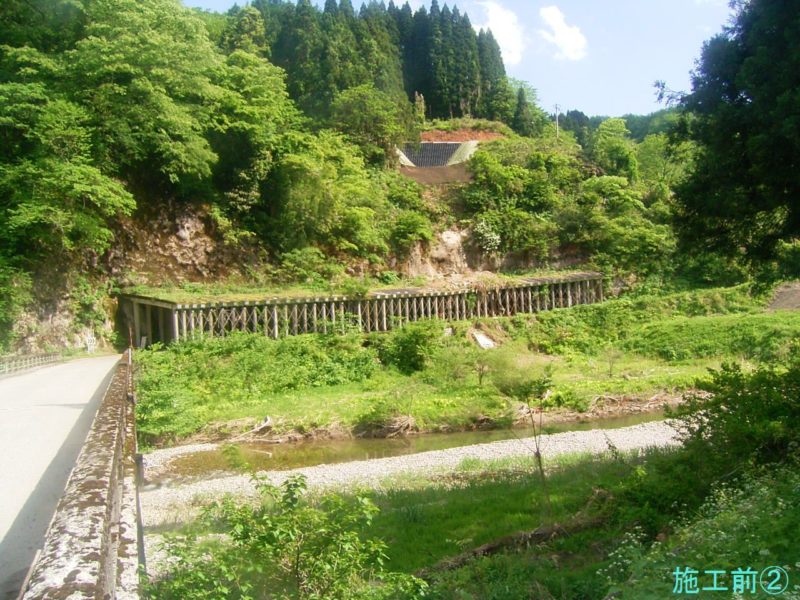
[179, 503]
[158, 460]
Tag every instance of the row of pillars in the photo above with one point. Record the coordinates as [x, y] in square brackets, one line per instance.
[162, 322]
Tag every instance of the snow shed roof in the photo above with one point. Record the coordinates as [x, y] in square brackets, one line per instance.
[436, 154]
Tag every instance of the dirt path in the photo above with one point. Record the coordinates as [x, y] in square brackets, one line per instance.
[787, 297]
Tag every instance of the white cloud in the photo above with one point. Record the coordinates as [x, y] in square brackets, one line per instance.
[507, 30]
[570, 42]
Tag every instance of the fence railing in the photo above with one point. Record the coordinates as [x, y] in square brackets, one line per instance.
[12, 364]
[152, 320]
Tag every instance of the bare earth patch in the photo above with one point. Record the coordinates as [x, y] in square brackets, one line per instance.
[787, 297]
[460, 135]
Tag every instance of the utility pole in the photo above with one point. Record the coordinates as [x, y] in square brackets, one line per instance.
[558, 108]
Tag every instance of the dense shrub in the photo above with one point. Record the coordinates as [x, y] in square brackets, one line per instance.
[238, 370]
[285, 547]
[15, 293]
[307, 265]
[590, 328]
[751, 524]
[409, 349]
[744, 416]
[518, 231]
[409, 228]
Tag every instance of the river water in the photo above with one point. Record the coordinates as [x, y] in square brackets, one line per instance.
[278, 457]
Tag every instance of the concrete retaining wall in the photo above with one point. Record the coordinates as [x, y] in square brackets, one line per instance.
[153, 320]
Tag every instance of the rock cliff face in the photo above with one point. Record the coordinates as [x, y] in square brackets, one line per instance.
[72, 303]
[444, 256]
[180, 244]
[453, 255]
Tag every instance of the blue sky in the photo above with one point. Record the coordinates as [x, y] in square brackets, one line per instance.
[600, 57]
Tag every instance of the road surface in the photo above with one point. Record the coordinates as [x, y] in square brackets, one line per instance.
[45, 415]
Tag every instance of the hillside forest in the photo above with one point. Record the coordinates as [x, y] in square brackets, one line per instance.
[275, 124]
[154, 149]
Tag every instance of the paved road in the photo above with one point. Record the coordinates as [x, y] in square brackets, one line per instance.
[45, 415]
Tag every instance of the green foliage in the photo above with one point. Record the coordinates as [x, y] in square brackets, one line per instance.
[87, 303]
[513, 173]
[611, 224]
[525, 387]
[528, 120]
[323, 195]
[533, 195]
[740, 195]
[245, 31]
[784, 267]
[357, 233]
[409, 228]
[252, 112]
[400, 191]
[61, 206]
[55, 200]
[655, 124]
[613, 194]
[614, 151]
[788, 266]
[519, 231]
[150, 95]
[589, 329]
[749, 524]
[50, 25]
[179, 383]
[459, 123]
[15, 294]
[746, 416]
[487, 238]
[439, 380]
[762, 337]
[373, 121]
[497, 96]
[307, 265]
[409, 349]
[288, 547]
[662, 165]
[579, 125]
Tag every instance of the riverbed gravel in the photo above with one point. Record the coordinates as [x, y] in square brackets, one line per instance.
[178, 503]
[156, 462]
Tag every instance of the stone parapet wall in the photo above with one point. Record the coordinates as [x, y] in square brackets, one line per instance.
[92, 547]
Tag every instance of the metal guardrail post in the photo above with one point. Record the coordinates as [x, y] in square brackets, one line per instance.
[13, 364]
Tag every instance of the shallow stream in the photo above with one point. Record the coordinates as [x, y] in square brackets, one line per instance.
[278, 457]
